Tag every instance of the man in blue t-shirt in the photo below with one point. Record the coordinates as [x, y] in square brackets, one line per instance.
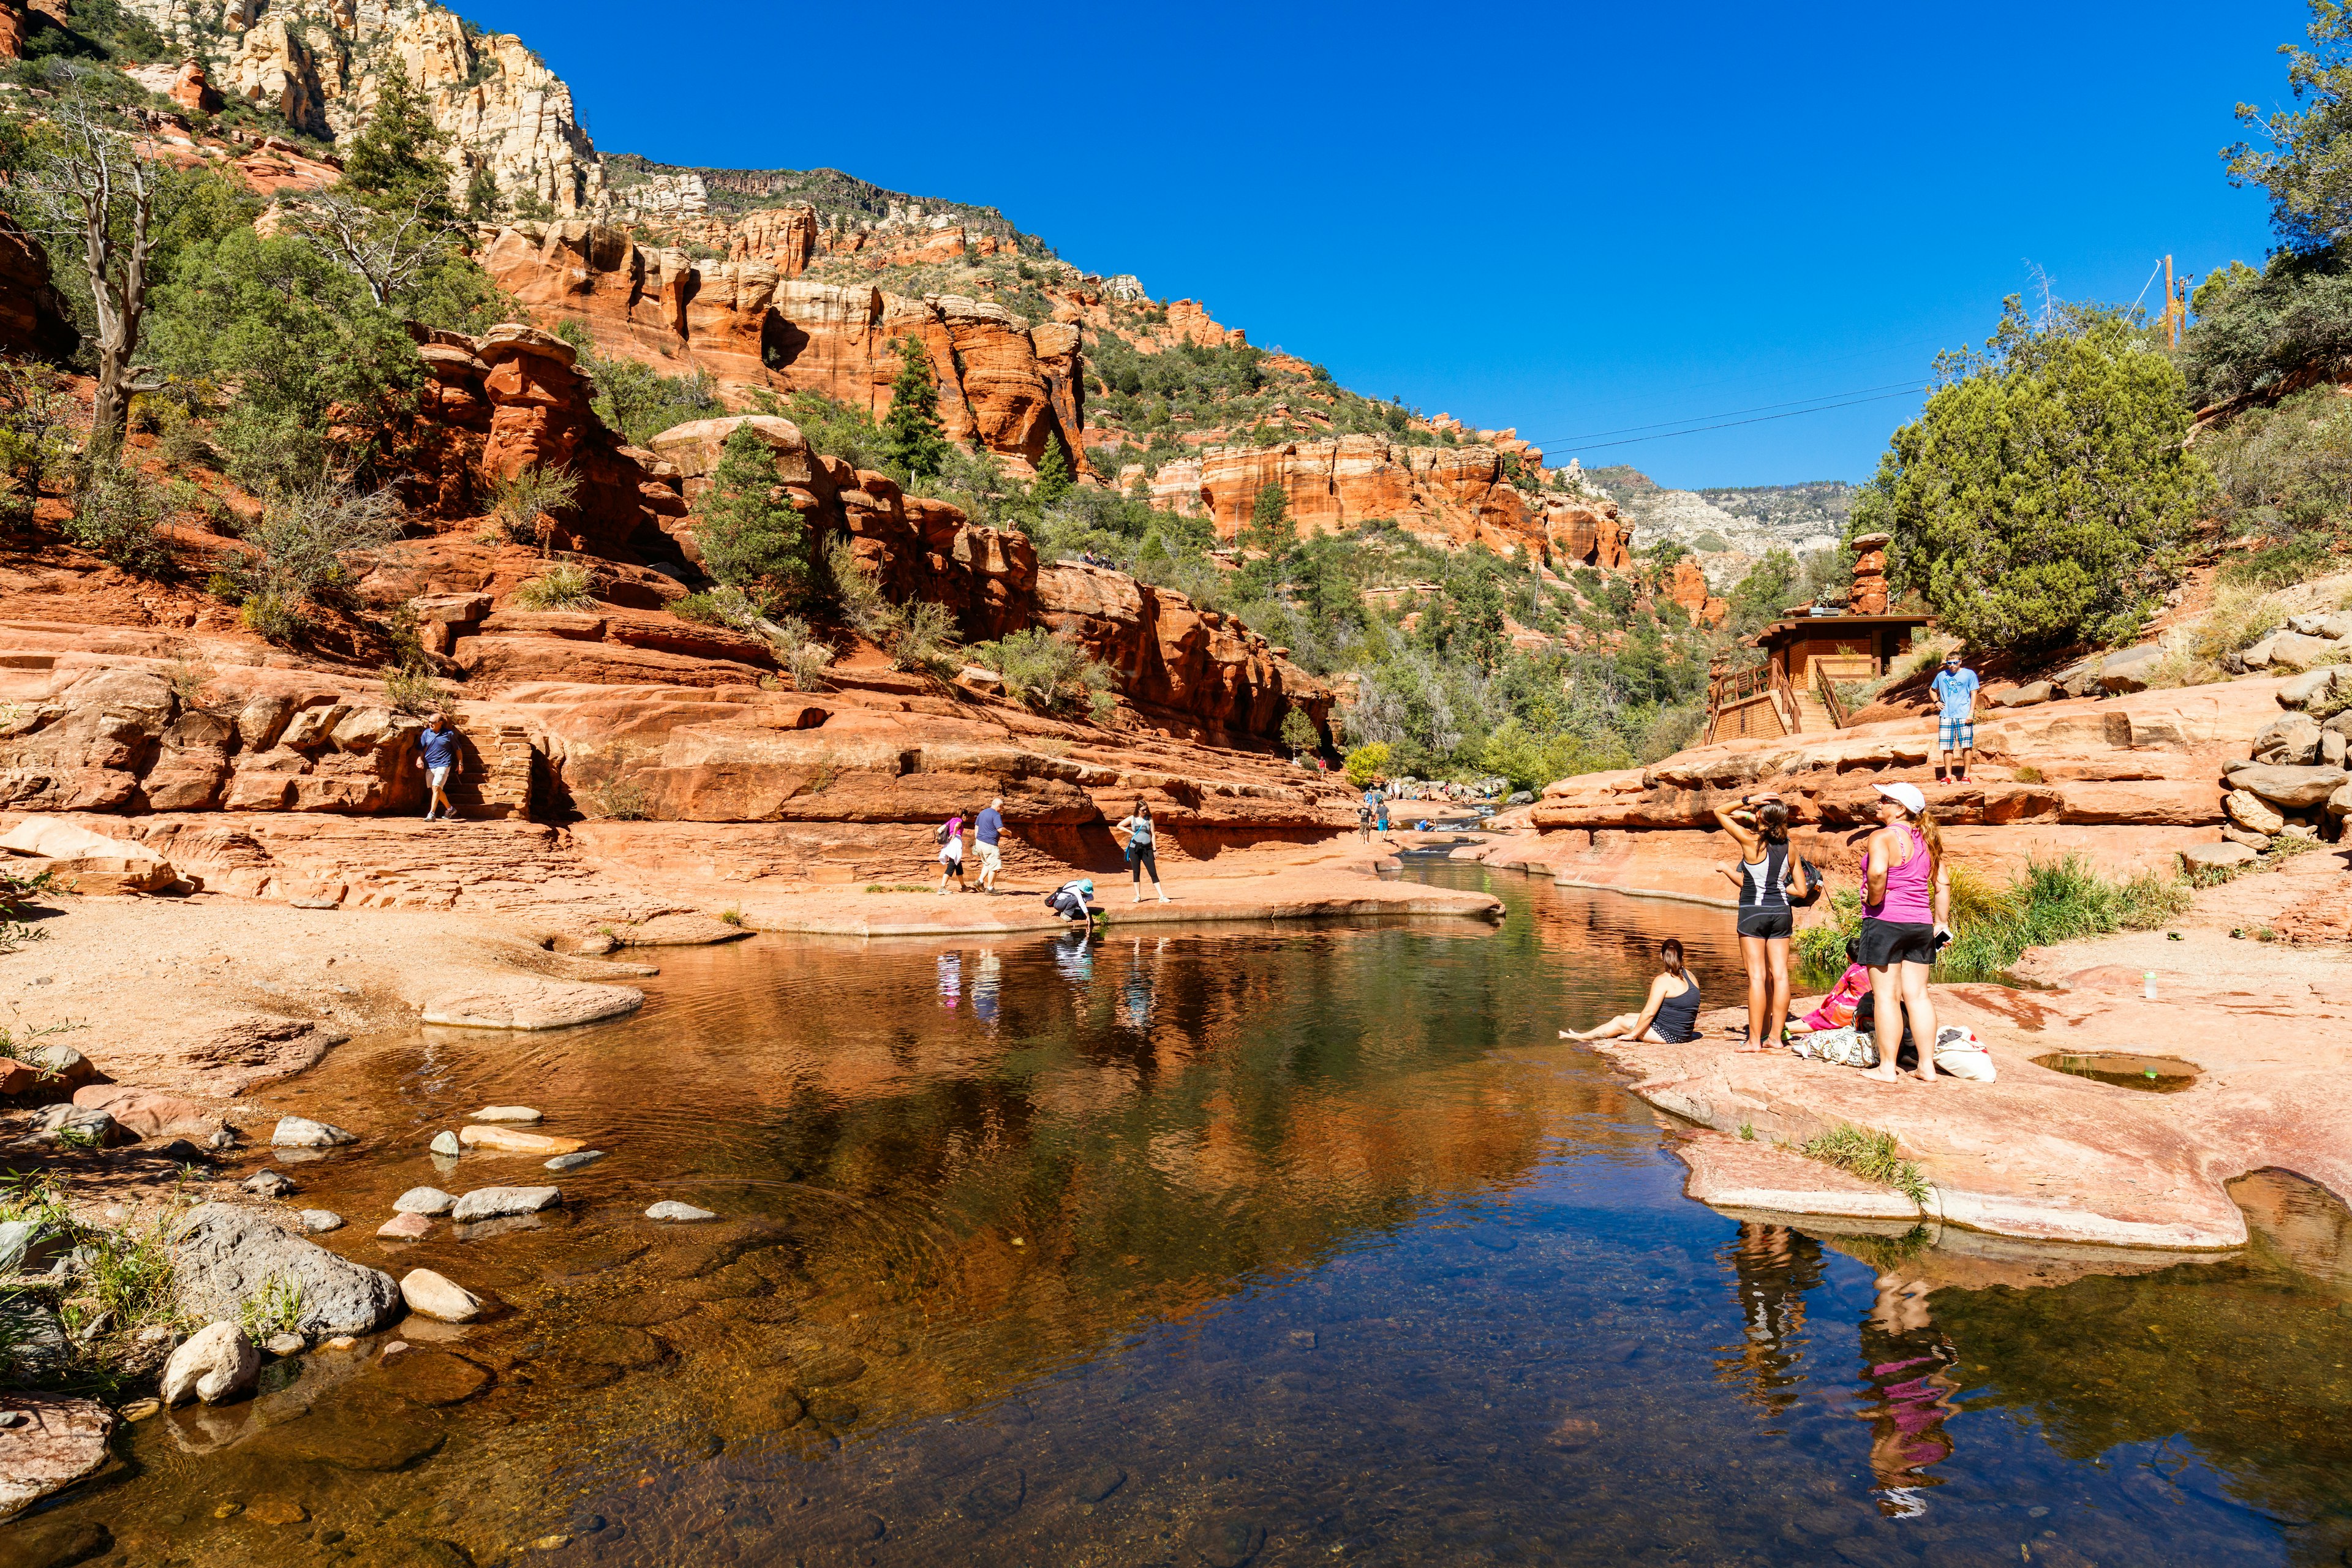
[438, 742]
[1955, 724]
[985, 831]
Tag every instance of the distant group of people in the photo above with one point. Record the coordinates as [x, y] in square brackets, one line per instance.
[1372, 811]
[1074, 898]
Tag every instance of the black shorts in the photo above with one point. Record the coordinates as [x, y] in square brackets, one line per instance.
[1886, 943]
[1772, 923]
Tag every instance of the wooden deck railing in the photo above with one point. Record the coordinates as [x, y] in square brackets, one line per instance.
[1825, 685]
[1743, 686]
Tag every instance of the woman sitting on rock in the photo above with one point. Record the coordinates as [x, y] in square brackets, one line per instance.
[1670, 1017]
[1906, 899]
[1769, 877]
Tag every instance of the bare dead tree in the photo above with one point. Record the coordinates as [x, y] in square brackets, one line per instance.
[386, 249]
[100, 203]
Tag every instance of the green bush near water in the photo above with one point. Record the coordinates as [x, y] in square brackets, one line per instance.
[2054, 901]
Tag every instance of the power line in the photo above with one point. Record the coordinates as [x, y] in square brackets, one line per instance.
[1764, 419]
[1726, 413]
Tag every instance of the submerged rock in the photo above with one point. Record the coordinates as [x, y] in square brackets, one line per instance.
[424, 1201]
[670, 1209]
[216, 1362]
[222, 1255]
[531, 1005]
[405, 1227]
[507, 1113]
[573, 1162]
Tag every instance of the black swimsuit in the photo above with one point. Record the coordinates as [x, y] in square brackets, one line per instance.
[1764, 893]
[1676, 1021]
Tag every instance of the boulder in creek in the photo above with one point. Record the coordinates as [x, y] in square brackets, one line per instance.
[2204, 856]
[301, 1132]
[60, 1442]
[677, 1213]
[490, 1203]
[2294, 788]
[531, 1005]
[507, 1141]
[319, 1221]
[211, 1365]
[405, 1227]
[433, 1295]
[224, 1255]
[268, 1184]
[446, 1142]
[424, 1201]
[575, 1162]
[507, 1113]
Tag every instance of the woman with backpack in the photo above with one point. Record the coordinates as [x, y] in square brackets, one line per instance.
[1072, 899]
[950, 838]
[1670, 1017]
[1139, 846]
[1771, 877]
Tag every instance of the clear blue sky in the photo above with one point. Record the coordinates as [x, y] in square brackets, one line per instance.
[1568, 218]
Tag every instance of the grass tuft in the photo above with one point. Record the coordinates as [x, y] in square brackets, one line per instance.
[1870, 1155]
[2054, 901]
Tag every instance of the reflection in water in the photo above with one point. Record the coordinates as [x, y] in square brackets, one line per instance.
[1773, 1266]
[1221, 1246]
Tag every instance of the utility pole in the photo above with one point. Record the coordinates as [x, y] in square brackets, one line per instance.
[2171, 308]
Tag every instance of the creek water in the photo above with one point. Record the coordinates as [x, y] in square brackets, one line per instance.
[1232, 1244]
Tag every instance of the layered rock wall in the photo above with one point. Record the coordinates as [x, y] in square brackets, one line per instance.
[752, 326]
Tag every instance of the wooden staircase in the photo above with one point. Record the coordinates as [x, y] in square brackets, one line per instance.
[1812, 713]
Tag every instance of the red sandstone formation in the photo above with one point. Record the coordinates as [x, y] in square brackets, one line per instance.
[1869, 596]
[33, 320]
[1453, 495]
[1008, 386]
[1688, 589]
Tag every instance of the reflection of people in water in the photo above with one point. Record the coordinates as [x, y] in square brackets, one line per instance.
[1774, 1266]
[1907, 1388]
[951, 980]
[984, 984]
[1135, 996]
[1074, 955]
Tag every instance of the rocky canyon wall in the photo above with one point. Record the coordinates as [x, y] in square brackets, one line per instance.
[1003, 384]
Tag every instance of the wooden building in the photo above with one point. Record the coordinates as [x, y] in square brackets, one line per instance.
[1794, 690]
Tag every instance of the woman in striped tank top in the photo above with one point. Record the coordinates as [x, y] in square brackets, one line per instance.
[1770, 876]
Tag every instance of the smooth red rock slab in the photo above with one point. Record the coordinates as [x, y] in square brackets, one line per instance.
[1731, 1171]
[498, 1139]
[405, 1227]
[63, 1442]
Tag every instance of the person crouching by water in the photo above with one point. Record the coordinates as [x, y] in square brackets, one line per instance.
[1769, 877]
[1670, 1017]
[1906, 899]
[1140, 851]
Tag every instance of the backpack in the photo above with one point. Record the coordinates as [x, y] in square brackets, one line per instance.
[1961, 1055]
[941, 838]
[1846, 1048]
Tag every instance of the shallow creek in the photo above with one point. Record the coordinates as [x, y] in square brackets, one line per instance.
[1231, 1244]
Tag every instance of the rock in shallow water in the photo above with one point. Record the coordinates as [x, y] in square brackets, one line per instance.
[282, 1345]
[318, 1221]
[424, 1201]
[216, 1362]
[64, 1441]
[444, 1143]
[405, 1227]
[268, 1184]
[509, 1140]
[222, 1255]
[437, 1296]
[574, 1160]
[507, 1113]
[670, 1209]
[531, 1005]
[301, 1132]
[489, 1203]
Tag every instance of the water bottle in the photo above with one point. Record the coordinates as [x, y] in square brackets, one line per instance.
[2148, 985]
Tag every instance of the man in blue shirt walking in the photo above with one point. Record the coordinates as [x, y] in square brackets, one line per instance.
[1955, 724]
[438, 742]
[985, 831]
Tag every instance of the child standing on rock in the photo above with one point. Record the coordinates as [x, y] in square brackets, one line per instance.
[950, 838]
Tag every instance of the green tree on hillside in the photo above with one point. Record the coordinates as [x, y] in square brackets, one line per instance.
[396, 160]
[751, 535]
[2308, 166]
[1052, 474]
[2043, 495]
[912, 436]
[1270, 528]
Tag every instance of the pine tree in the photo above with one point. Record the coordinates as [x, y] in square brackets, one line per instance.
[912, 436]
[398, 160]
[1269, 524]
[751, 535]
[1052, 474]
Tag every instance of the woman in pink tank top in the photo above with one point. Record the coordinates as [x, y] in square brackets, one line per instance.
[1905, 899]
